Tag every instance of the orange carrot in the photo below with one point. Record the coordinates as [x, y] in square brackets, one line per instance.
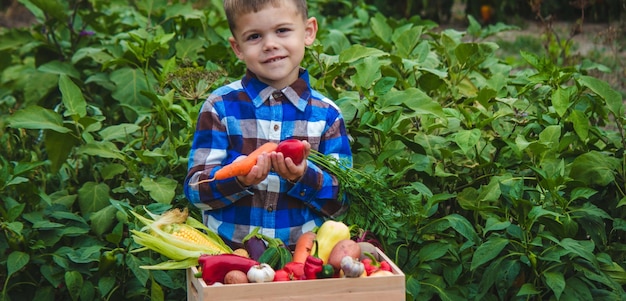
[304, 244]
[241, 167]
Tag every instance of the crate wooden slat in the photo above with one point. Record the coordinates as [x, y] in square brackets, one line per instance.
[348, 289]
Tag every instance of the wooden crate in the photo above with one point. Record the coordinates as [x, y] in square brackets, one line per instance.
[387, 288]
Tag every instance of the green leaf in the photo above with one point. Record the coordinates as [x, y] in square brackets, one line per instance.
[15, 227]
[433, 251]
[494, 224]
[414, 99]
[538, 212]
[103, 219]
[46, 225]
[156, 292]
[72, 96]
[119, 132]
[551, 135]
[456, 222]
[582, 193]
[381, 28]
[488, 251]
[577, 289]
[528, 289]
[338, 41]
[583, 249]
[16, 261]
[104, 149]
[59, 146]
[413, 286]
[93, 197]
[474, 28]
[407, 41]
[189, 48]
[106, 284]
[613, 98]
[110, 171]
[556, 282]
[357, 52]
[74, 283]
[85, 254]
[129, 85]
[473, 54]
[162, 190]
[60, 68]
[561, 99]
[98, 55]
[467, 140]
[531, 59]
[133, 264]
[594, 168]
[55, 8]
[581, 124]
[367, 72]
[37, 118]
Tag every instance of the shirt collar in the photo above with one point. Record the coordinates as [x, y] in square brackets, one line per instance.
[297, 93]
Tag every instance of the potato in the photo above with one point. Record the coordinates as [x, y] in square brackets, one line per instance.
[235, 277]
[345, 247]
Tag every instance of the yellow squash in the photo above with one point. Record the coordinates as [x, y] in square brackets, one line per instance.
[328, 235]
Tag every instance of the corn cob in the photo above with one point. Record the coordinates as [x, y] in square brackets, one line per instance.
[188, 234]
[175, 236]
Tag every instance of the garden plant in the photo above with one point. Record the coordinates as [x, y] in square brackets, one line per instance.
[505, 181]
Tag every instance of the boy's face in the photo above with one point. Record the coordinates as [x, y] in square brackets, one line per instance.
[272, 42]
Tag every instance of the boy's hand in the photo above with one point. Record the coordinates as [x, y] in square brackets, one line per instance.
[285, 167]
[258, 172]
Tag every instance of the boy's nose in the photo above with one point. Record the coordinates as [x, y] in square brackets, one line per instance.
[270, 43]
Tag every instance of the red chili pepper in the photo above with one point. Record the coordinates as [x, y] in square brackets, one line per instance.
[215, 267]
[313, 264]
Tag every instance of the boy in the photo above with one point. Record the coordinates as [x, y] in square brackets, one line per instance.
[272, 102]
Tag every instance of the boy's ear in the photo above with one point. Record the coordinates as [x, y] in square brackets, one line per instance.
[310, 31]
[235, 46]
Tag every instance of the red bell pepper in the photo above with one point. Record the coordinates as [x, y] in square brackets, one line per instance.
[369, 266]
[385, 266]
[215, 267]
[313, 264]
[295, 270]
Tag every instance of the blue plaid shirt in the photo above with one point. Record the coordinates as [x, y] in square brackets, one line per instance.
[234, 121]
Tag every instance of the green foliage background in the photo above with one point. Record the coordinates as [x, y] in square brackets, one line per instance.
[509, 180]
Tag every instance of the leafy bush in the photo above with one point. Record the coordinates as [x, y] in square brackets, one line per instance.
[512, 180]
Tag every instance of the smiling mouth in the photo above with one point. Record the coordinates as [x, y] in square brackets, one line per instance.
[274, 59]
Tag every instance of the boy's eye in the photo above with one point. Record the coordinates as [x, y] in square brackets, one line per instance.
[282, 30]
[253, 37]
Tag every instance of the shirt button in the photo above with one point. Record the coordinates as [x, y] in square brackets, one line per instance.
[276, 127]
[277, 95]
[302, 193]
[270, 208]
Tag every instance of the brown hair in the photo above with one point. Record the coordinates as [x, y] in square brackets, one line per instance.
[234, 8]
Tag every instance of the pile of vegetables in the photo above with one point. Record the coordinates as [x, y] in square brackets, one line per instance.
[328, 252]
[325, 253]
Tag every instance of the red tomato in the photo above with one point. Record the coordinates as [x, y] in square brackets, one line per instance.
[292, 148]
[281, 275]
